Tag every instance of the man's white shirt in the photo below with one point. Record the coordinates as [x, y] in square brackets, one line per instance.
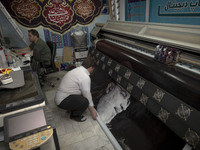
[75, 82]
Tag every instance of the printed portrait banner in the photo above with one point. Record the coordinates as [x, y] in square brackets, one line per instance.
[57, 15]
[178, 12]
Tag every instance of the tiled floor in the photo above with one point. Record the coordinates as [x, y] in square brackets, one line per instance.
[72, 135]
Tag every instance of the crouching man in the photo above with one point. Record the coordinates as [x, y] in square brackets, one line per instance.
[74, 94]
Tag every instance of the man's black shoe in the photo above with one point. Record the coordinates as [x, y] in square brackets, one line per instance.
[78, 118]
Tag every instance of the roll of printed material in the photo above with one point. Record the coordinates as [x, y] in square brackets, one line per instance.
[109, 134]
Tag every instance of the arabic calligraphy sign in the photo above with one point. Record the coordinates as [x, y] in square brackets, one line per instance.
[57, 15]
[179, 11]
[26, 10]
[84, 9]
[60, 14]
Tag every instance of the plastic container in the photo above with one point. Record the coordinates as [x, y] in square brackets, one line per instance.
[10, 61]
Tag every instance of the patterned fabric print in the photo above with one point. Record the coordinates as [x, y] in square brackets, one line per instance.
[158, 95]
[117, 67]
[184, 112]
[129, 87]
[109, 62]
[110, 72]
[67, 39]
[103, 58]
[163, 115]
[127, 74]
[58, 40]
[192, 137]
[167, 102]
[57, 15]
[119, 78]
[140, 83]
[144, 99]
[47, 35]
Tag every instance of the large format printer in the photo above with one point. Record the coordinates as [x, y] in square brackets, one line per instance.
[165, 109]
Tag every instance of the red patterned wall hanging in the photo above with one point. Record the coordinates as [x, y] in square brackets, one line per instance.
[84, 8]
[57, 15]
[26, 9]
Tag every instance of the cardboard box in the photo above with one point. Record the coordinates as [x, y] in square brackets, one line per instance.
[67, 54]
[81, 52]
[57, 65]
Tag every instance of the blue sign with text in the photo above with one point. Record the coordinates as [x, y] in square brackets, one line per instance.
[176, 12]
[135, 10]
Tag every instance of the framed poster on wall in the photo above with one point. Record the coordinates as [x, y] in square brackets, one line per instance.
[135, 10]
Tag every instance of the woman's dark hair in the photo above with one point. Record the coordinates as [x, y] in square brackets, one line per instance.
[34, 32]
[89, 62]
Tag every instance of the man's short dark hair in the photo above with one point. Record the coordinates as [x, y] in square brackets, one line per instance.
[34, 32]
[89, 62]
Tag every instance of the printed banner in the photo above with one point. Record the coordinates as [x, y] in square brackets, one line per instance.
[57, 15]
[135, 10]
[178, 12]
